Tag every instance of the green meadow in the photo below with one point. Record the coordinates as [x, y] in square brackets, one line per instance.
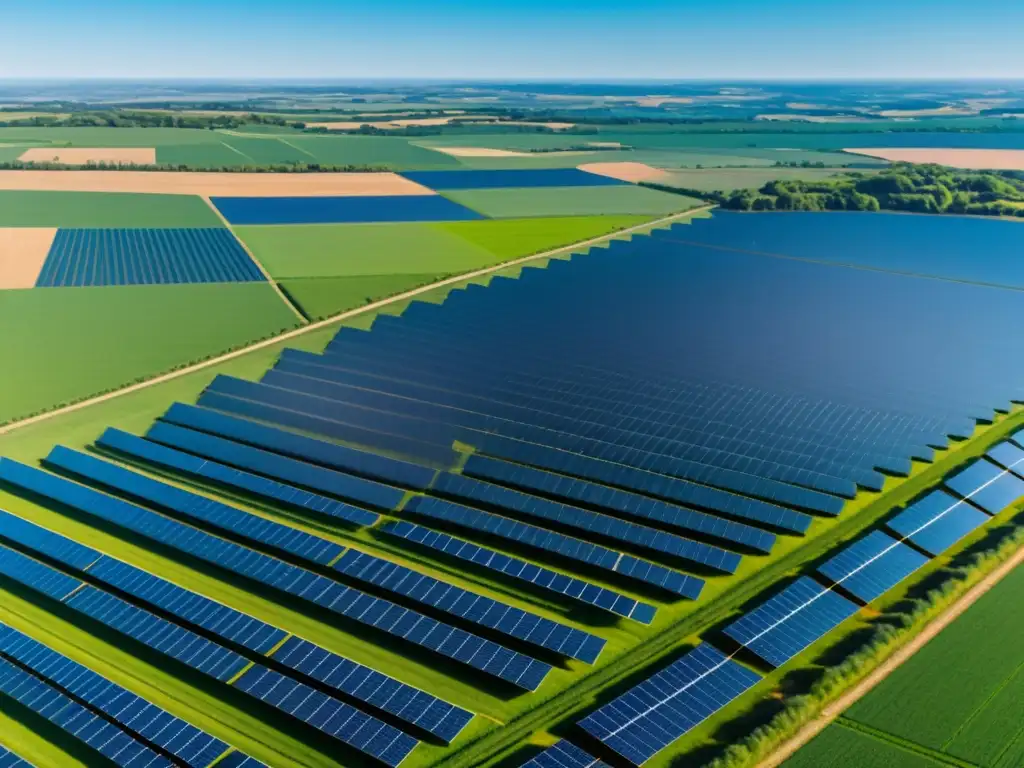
[96, 210]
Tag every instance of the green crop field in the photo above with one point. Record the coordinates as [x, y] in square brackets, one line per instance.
[963, 693]
[571, 201]
[320, 297]
[63, 344]
[728, 179]
[841, 747]
[103, 209]
[336, 250]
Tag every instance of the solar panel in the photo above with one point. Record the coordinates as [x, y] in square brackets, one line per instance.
[629, 504]
[394, 471]
[871, 566]
[10, 760]
[791, 621]
[277, 467]
[383, 615]
[682, 584]
[593, 523]
[271, 490]
[75, 720]
[188, 744]
[650, 716]
[937, 522]
[196, 508]
[361, 683]
[988, 486]
[521, 570]
[240, 760]
[469, 606]
[1009, 456]
[563, 754]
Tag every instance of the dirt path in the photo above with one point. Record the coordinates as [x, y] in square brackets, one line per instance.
[848, 699]
[7, 429]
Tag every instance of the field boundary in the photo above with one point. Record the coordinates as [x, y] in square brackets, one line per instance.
[851, 697]
[335, 319]
[270, 278]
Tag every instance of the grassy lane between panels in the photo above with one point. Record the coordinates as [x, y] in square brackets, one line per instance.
[790, 557]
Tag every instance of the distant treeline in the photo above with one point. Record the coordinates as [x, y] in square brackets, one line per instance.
[18, 165]
[902, 187]
[119, 119]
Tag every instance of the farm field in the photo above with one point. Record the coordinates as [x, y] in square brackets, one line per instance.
[841, 747]
[727, 179]
[571, 201]
[963, 693]
[103, 209]
[55, 336]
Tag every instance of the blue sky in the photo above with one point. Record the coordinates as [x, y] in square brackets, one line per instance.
[595, 39]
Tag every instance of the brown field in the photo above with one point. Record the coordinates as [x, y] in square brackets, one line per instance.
[980, 159]
[657, 101]
[23, 252]
[84, 156]
[214, 184]
[624, 171]
[938, 112]
[478, 152]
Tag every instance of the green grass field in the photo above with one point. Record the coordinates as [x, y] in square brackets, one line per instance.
[103, 209]
[728, 179]
[841, 747]
[571, 201]
[320, 297]
[63, 344]
[336, 250]
[963, 693]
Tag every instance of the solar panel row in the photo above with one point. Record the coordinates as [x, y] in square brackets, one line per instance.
[184, 742]
[872, 565]
[987, 486]
[196, 508]
[651, 574]
[383, 615]
[204, 469]
[563, 754]
[937, 522]
[10, 760]
[75, 720]
[469, 606]
[650, 716]
[354, 680]
[593, 523]
[349, 725]
[521, 570]
[791, 621]
[91, 257]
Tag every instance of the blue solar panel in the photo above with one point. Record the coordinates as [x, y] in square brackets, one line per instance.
[592, 522]
[471, 607]
[77, 721]
[1009, 456]
[521, 570]
[355, 728]
[188, 744]
[278, 467]
[871, 566]
[91, 257]
[792, 620]
[563, 754]
[385, 616]
[626, 503]
[10, 760]
[240, 760]
[649, 717]
[682, 584]
[498, 179]
[988, 486]
[196, 508]
[937, 522]
[362, 683]
[287, 495]
[351, 460]
[341, 210]
[39, 577]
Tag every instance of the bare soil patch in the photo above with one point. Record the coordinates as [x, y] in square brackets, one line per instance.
[980, 159]
[657, 101]
[479, 152]
[625, 171]
[23, 252]
[215, 184]
[84, 156]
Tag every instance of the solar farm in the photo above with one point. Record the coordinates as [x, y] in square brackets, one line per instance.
[599, 508]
